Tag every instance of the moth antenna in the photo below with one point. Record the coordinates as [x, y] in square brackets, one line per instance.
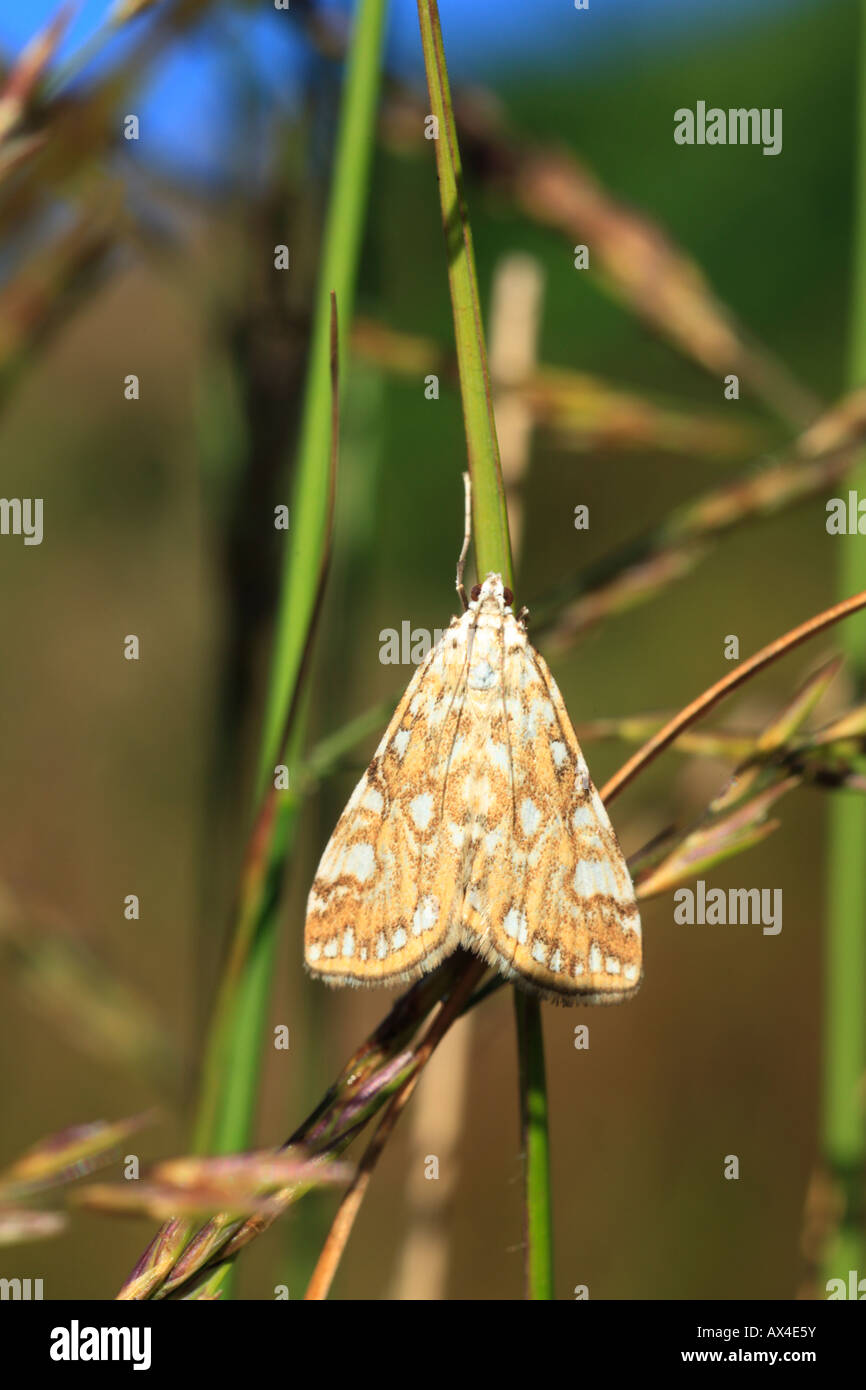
[467, 537]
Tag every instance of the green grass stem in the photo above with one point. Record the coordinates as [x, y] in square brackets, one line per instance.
[492, 552]
[238, 1038]
[843, 1132]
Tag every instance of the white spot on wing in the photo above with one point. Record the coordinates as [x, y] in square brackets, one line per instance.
[455, 834]
[426, 914]
[593, 876]
[421, 810]
[539, 710]
[583, 816]
[514, 924]
[475, 898]
[497, 755]
[482, 676]
[372, 800]
[359, 861]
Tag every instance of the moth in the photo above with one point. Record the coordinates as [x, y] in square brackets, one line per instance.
[477, 825]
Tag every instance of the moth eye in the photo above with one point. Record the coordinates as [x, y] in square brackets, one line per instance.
[475, 592]
[508, 596]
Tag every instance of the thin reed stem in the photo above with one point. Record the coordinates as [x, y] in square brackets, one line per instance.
[492, 553]
[843, 1112]
[710, 698]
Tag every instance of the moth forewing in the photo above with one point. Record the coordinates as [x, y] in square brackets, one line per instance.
[370, 920]
[477, 824]
[574, 932]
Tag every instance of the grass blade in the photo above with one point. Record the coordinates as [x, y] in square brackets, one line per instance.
[492, 552]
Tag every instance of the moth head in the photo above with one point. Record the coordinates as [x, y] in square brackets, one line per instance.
[492, 596]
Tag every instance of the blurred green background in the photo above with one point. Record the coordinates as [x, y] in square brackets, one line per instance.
[122, 778]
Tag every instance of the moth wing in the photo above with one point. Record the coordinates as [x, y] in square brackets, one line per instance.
[552, 899]
[386, 900]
